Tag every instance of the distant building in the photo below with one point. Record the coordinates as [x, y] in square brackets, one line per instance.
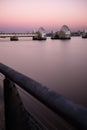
[64, 32]
[41, 34]
[76, 33]
[84, 34]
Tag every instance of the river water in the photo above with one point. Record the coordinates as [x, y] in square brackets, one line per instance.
[61, 65]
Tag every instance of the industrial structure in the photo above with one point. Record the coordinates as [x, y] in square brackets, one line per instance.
[63, 33]
[41, 34]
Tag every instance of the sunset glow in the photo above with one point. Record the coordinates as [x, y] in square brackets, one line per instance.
[26, 15]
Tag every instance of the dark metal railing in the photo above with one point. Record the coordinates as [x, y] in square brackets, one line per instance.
[75, 114]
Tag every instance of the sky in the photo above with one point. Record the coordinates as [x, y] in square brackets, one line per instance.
[28, 15]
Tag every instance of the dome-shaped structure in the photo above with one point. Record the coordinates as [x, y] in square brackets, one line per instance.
[65, 28]
[41, 34]
[84, 34]
[85, 30]
[42, 30]
[65, 32]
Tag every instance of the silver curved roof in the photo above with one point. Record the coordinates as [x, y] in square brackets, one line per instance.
[42, 30]
[65, 28]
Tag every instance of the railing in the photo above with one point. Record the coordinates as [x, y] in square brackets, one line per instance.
[74, 114]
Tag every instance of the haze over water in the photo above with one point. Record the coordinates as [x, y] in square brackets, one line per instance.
[27, 15]
[60, 65]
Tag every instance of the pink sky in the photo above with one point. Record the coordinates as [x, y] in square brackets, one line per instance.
[25, 15]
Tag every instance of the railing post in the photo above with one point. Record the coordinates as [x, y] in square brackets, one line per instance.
[16, 117]
[15, 114]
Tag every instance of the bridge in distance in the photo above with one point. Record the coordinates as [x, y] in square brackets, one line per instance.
[3, 35]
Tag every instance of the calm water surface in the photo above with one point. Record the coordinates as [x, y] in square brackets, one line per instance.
[60, 65]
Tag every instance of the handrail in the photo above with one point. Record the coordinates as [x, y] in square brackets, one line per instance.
[73, 113]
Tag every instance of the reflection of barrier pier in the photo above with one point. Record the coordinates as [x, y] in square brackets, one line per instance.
[74, 114]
